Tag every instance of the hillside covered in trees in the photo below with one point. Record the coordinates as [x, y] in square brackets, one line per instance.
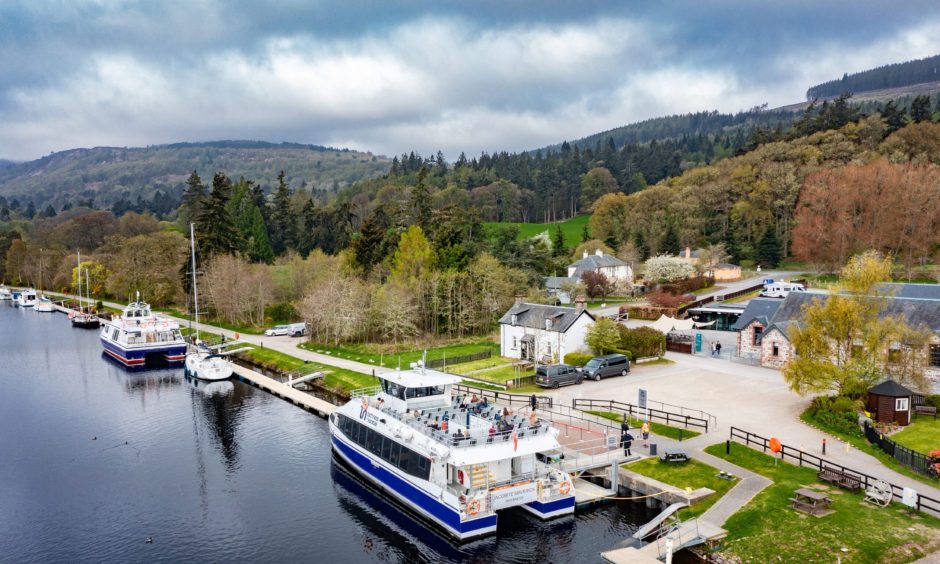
[153, 178]
[888, 76]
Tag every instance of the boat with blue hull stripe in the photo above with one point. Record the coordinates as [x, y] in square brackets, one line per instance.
[414, 497]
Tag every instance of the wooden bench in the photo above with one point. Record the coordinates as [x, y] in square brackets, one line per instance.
[925, 410]
[840, 478]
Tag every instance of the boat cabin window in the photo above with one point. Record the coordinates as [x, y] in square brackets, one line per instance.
[391, 451]
[403, 393]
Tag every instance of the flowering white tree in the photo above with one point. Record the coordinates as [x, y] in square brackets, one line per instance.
[667, 268]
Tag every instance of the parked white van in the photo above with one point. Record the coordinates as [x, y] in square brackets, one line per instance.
[294, 330]
[780, 289]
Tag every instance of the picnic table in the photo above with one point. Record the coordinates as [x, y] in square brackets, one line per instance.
[810, 501]
[673, 455]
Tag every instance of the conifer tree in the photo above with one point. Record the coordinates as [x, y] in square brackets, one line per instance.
[641, 247]
[369, 246]
[670, 242]
[283, 222]
[192, 200]
[585, 234]
[558, 242]
[421, 202]
[215, 229]
[768, 249]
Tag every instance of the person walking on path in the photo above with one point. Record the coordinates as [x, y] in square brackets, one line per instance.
[646, 433]
[714, 348]
[718, 349]
[534, 401]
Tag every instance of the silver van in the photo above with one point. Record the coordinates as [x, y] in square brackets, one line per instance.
[554, 375]
[608, 365]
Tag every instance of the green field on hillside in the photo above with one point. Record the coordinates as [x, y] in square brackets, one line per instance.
[572, 229]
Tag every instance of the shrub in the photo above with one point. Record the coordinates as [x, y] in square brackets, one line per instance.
[660, 298]
[651, 312]
[283, 311]
[577, 359]
[933, 400]
[835, 413]
[642, 341]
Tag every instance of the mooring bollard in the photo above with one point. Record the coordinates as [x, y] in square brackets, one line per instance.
[680, 435]
[728, 447]
[824, 445]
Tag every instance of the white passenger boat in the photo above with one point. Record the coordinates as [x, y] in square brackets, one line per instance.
[5, 293]
[27, 298]
[456, 476]
[201, 363]
[139, 337]
[44, 305]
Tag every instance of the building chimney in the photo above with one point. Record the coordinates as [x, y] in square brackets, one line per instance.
[599, 253]
[519, 300]
[584, 255]
[580, 303]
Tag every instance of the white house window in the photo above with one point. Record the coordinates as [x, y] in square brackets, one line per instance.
[900, 404]
[514, 318]
[548, 324]
[548, 349]
[515, 342]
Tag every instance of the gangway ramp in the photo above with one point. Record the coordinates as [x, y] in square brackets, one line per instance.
[586, 492]
[648, 528]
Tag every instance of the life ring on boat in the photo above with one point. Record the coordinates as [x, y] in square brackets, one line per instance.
[473, 507]
[565, 487]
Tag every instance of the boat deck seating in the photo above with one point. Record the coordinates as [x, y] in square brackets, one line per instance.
[479, 429]
[840, 478]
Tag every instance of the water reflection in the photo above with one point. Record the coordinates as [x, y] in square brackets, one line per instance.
[219, 405]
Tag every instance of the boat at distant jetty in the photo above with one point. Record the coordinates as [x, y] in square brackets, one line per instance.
[84, 318]
[201, 361]
[27, 298]
[5, 293]
[139, 337]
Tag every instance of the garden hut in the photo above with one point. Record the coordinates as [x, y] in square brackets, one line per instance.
[890, 402]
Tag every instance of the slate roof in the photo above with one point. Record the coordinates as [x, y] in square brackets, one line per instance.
[916, 311]
[913, 291]
[533, 316]
[555, 282]
[591, 263]
[761, 309]
[891, 389]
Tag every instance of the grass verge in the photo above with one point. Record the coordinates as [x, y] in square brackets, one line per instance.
[863, 445]
[387, 355]
[767, 529]
[656, 428]
[338, 380]
[692, 474]
[572, 229]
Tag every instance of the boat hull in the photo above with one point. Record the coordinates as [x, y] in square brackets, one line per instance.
[172, 354]
[411, 496]
[210, 369]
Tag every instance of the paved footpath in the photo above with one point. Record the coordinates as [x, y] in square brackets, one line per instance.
[750, 398]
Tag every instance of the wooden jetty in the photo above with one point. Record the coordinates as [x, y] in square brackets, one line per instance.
[300, 399]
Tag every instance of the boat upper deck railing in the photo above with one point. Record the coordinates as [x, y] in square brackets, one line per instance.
[487, 425]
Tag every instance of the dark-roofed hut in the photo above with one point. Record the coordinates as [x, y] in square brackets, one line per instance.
[890, 402]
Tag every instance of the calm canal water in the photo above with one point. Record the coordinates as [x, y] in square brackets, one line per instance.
[94, 459]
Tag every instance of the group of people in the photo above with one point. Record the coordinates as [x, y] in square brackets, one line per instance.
[716, 348]
[626, 439]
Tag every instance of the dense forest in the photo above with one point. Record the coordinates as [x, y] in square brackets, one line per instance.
[888, 76]
[153, 178]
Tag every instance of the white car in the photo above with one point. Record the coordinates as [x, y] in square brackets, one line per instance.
[294, 330]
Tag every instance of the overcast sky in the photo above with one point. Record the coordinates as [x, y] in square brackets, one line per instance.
[390, 76]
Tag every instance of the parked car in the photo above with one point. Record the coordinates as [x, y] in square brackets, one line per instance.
[608, 365]
[554, 375]
[293, 329]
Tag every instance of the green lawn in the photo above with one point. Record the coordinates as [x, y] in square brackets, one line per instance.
[656, 428]
[572, 229]
[502, 375]
[388, 355]
[339, 380]
[923, 435]
[692, 474]
[768, 530]
[491, 362]
[863, 445]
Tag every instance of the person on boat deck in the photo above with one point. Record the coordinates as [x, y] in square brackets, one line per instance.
[492, 431]
[475, 399]
[444, 424]
[484, 404]
[466, 401]
[434, 424]
[533, 420]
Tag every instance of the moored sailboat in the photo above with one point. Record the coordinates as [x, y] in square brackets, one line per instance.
[84, 318]
[201, 363]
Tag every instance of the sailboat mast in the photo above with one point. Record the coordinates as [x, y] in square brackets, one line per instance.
[81, 307]
[192, 246]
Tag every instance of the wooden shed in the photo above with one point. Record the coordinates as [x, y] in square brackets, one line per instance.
[890, 402]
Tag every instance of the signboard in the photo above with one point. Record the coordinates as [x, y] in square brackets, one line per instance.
[517, 495]
[642, 399]
[698, 342]
[909, 497]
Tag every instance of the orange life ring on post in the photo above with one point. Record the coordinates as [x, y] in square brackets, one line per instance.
[473, 507]
[565, 487]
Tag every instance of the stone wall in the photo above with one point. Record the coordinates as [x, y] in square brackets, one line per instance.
[783, 348]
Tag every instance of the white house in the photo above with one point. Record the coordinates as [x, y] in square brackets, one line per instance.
[612, 267]
[543, 333]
